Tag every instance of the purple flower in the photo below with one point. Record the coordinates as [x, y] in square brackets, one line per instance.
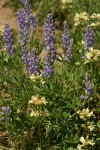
[23, 26]
[67, 44]
[88, 88]
[32, 63]
[27, 26]
[6, 111]
[50, 41]
[26, 19]
[24, 1]
[89, 38]
[8, 39]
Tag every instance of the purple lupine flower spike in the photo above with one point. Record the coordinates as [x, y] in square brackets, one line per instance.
[88, 88]
[6, 111]
[23, 26]
[89, 38]
[30, 17]
[8, 39]
[67, 43]
[32, 63]
[27, 25]
[50, 41]
[24, 1]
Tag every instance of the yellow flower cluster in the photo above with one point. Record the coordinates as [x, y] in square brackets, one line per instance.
[36, 100]
[1, 30]
[85, 142]
[85, 114]
[95, 16]
[3, 49]
[81, 19]
[38, 113]
[92, 55]
[66, 1]
[37, 79]
[88, 125]
[95, 24]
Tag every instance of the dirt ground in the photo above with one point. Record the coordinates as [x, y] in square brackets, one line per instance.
[7, 14]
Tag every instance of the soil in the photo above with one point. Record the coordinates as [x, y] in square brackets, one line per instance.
[7, 14]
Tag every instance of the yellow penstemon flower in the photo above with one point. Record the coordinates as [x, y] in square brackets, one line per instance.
[95, 24]
[92, 55]
[39, 113]
[37, 78]
[95, 16]
[64, 2]
[85, 114]
[88, 126]
[3, 49]
[81, 18]
[85, 142]
[1, 30]
[36, 100]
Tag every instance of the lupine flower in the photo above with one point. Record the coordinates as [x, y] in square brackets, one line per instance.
[27, 25]
[50, 41]
[89, 38]
[23, 26]
[31, 18]
[8, 39]
[24, 1]
[88, 88]
[6, 113]
[67, 43]
[26, 19]
[32, 63]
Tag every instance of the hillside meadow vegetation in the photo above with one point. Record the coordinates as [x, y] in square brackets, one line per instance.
[50, 90]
